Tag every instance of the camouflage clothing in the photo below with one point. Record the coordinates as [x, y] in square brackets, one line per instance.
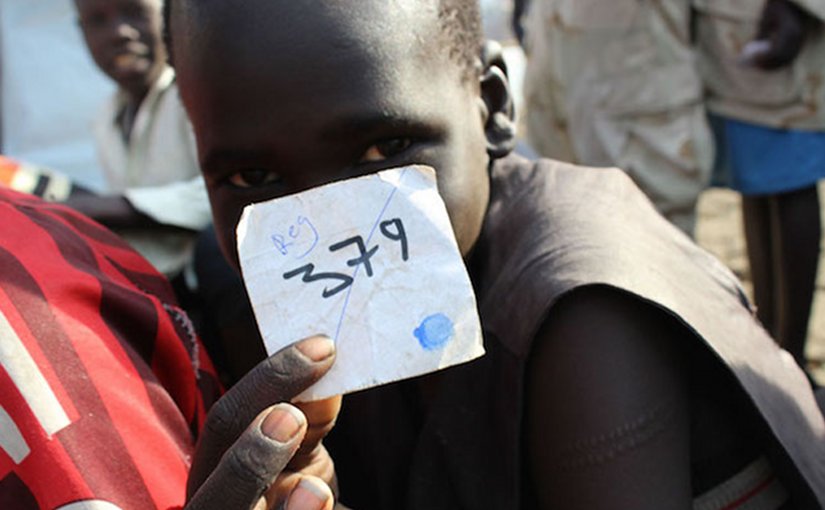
[614, 83]
[792, 97]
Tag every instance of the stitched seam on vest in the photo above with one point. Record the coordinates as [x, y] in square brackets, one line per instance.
[603, 448]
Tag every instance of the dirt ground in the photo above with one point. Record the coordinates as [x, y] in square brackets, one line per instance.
[719, 230]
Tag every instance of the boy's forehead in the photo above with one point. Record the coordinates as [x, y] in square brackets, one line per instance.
[291, 12]
[335, 54]
[283, 28]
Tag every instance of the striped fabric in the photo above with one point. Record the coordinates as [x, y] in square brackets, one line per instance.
[754, 488]
[103, 383]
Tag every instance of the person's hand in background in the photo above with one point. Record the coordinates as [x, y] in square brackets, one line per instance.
[783, 28]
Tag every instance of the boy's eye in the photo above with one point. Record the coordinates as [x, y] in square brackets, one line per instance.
[132, 11]
[94, 20]
[252, 177]
[135, 14]
[386, 149]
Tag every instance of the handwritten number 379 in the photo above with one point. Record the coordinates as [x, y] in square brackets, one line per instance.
[390, 229]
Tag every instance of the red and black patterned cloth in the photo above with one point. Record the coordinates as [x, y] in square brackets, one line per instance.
[103, 382]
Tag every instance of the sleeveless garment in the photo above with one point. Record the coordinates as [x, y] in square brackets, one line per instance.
[552, 228]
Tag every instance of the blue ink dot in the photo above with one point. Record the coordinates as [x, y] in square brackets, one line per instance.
[434, 332]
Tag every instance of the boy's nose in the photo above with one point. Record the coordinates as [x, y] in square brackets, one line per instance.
[124, 30]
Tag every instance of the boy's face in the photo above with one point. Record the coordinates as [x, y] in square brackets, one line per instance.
[287, 95]
[125, 40]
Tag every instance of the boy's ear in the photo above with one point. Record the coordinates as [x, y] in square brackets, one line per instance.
[500, 125]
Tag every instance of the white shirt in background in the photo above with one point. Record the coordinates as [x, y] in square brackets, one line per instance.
[157, 171]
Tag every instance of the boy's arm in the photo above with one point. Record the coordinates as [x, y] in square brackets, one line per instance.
[606, 422]
[519, 10]
[113, 211]
[181, 205]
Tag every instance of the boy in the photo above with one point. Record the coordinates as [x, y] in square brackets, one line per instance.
[602, 386]
[157, 201]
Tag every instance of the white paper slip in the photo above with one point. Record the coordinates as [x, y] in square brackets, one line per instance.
[371, 262]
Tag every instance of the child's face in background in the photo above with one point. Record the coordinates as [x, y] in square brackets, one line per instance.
[288, 95]
[125, 40]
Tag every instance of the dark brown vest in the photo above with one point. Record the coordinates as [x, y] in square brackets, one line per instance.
[552, 228]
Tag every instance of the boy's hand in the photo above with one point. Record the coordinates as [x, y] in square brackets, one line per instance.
[781, 36]
[278, 460]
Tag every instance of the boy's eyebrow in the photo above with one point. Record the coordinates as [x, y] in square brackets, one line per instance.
[222, 156]
[342, 127]
[371, 122]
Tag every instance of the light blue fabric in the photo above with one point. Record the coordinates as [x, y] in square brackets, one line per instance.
[757, 160]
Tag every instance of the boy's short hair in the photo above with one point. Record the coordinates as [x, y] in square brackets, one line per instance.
[460, 24]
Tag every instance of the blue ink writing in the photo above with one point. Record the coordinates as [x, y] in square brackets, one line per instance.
[283, 243]
[392, 230]
[280, 244]
[434, 332]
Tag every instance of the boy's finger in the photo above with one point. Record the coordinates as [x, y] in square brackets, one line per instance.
[321, 416]
[252, 464]
[311, 493]
[296, 491]
[278, 378]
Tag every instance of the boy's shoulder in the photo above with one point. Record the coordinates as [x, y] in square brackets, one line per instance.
[552, 227]
[514, 175]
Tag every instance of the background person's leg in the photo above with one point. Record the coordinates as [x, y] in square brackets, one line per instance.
[797, 240]
[756, 215]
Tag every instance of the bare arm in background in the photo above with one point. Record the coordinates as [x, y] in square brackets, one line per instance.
[519, 9]
[783, 28]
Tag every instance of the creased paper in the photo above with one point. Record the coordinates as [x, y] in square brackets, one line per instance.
[371, 262]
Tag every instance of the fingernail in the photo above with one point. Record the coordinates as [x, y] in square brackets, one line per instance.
[283, 423]
[308, 495]
[317, 348]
